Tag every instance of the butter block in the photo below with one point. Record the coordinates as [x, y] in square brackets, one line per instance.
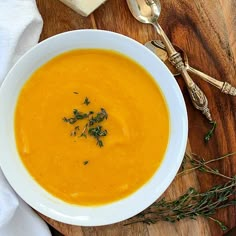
[83, 7]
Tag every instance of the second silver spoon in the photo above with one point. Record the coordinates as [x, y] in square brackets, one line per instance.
[158, 48]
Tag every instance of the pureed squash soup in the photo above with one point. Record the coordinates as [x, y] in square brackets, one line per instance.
[91, 126]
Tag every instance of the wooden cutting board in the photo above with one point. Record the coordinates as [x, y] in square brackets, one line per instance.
[205, 29]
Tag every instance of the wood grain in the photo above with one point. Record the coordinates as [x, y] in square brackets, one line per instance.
[205, 29]
[228, 10]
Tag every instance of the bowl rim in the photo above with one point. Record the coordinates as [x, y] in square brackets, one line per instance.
[91, 218]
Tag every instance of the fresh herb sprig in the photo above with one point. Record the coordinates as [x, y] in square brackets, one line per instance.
[190, 205]
[193, 203]
[210, 133]
[200, 164]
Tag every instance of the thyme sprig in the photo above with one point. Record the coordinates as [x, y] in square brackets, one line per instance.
[193, 203]
[190, 205]
[199, 163]
[210, 133]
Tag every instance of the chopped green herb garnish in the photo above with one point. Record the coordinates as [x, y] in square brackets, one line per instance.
[76, 128]
[74, 132]
[86, 162]
[89, 129]
[65, 119]
[83, 135]
[99, 117]
[86, 101]
[97, 132]
[77, 116]
[99, 143]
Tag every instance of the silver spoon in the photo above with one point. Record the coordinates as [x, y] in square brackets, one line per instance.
[148, 12]
[158, 48]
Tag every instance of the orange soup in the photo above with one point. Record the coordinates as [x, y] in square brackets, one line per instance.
[91, 126]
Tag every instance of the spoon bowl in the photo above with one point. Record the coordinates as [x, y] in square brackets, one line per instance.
[158, 48]
[143, 12]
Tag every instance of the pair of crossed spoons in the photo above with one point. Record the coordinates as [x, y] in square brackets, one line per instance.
[159, 49]
[148, 12]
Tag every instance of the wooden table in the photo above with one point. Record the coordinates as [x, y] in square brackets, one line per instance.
[205, 29]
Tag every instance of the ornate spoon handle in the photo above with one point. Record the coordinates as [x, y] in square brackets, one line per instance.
[197, 96]
[225, 87]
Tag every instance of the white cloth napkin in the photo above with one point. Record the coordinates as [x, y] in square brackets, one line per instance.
[20, 28]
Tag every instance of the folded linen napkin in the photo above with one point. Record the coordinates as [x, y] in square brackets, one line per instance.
[20, 28]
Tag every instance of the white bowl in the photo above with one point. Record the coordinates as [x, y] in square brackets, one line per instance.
[29, 190]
